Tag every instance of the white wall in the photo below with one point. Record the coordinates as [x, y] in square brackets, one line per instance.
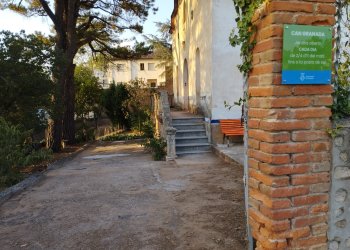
[188, 36]
[227, 80]
[209, 31]
[132, 71]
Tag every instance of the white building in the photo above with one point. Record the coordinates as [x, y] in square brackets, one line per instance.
[148, 69]
[205, 64]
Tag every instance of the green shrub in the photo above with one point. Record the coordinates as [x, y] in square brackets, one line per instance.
[16, 151]
[147, 129]
[123, 137]
[341, 104]
[85, 134]
[157, 146]
[114, 100]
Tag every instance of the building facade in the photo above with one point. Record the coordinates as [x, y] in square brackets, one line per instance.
[150, 70]
[205, 64]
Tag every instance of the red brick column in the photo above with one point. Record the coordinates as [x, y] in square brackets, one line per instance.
[289, 150]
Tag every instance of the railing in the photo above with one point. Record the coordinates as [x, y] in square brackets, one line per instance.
[163, 122]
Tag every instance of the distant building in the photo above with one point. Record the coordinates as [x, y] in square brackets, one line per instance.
[148, 69]
[205, 64]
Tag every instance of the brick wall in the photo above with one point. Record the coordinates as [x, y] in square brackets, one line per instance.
[288, 148]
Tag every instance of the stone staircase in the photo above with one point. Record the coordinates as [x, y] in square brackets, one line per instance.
[190, 136]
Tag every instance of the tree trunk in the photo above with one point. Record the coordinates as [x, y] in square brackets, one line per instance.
[57, 135]
[59, 72]
[58, 114]
[66, 14]
[69, 106]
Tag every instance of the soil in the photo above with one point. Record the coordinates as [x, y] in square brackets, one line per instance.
[64, 153]
[113, 196]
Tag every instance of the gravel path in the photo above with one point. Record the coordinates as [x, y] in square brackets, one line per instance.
[115, 197]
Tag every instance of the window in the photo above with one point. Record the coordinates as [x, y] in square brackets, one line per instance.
[151, 67]
[120, 67]
[142, 66]
[152, 83]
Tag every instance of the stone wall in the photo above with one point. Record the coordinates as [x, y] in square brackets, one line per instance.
[339, 216]
[289, 151]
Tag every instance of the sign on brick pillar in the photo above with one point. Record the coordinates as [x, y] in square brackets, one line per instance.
[289, 149]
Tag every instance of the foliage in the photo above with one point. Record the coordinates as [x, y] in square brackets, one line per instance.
[101, 61]
[334, 132]
[140, 49]
[87, 101]
[123, 136]
[114, 100]
[85, 133]
[98, 62]
[25, 84]
[88, 92]
[128, 105]
[147, 128]
[95, 24]
[341, 106]
[244, 34]
[157, 146]
[341, 103]
[162, 47]
[139, 103]
[16, 151]
[241, 102]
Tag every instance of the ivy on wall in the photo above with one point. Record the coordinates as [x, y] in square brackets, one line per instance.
[243, 35]
[341, 105]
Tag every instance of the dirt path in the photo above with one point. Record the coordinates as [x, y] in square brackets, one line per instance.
[115, 197]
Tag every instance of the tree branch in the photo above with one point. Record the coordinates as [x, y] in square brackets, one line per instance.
[49, 12]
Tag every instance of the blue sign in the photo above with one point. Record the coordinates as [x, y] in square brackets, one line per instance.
[306, 76]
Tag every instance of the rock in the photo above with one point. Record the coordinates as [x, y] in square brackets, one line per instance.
[338, 141]
[340, 195]
[341, 223]
[342, 173]
[339, 212]
[344, 156]
[334, 245]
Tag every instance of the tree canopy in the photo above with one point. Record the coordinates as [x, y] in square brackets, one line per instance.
[115, 100]
[162, 46]
[96, 23]
[88, 91]
[77, 23]
[25, 83]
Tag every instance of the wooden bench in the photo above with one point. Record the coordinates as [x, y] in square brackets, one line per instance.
[231, 127]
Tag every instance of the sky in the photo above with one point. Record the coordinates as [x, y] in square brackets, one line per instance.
[14, 22]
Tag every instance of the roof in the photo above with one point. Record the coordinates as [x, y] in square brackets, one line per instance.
[133, 58]
[149, 56]
[173, 15]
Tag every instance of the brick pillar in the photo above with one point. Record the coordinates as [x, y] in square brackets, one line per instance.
[289, 151]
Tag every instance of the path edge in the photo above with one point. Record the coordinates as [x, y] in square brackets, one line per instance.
[36, 177]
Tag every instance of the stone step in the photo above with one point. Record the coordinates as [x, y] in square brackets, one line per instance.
[191, 139]
[187, 120]
[182, 153]
[189, 126]
[190, 133]
[193, 147]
